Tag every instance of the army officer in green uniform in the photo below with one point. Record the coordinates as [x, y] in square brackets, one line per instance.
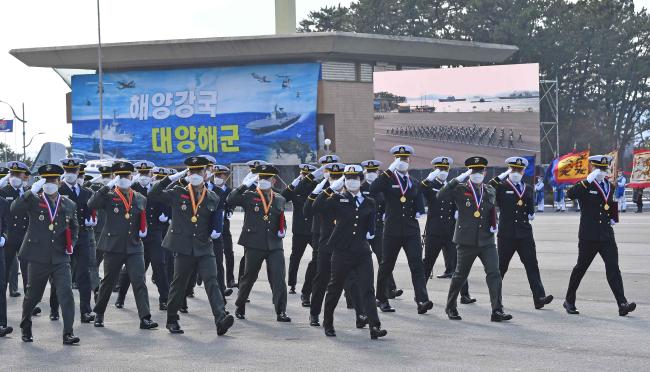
[474, 234]
[261, 236]
[47, 247]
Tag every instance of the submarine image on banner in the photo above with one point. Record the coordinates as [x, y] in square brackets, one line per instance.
[276, 120]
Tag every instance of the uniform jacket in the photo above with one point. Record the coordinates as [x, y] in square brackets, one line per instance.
[513, 218]
[301, 224]
[441, 212]
[81, 200]
[18, 221]
[119, 235]
[351, 222]
[400, 217]
[101, 214]
[471, 230]
[227, 208]
[305, 187]
[184, 236]
[258, 233]
[594, 219]
[380, 203]
[154, 210]
[326, 219]
[4, 218]
[40, 244]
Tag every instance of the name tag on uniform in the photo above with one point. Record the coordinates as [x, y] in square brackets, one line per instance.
[395, 186]
[345, 201]
[366, 192]
[510, 192]
[593, 192]
[9, 198]
[435, 189]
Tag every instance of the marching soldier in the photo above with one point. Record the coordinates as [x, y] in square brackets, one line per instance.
[121, 241]
[262, 234]
[301, 230]
[47, 247]
[371, 172]
[516, 209]
[474, 234]
[195, 221]
[4, 218]
[598, 214]
[404, 205]
[355, 219]
[223, 244]
[441, 219]
[105, 176]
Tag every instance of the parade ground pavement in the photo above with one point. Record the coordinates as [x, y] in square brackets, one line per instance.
[547, 339]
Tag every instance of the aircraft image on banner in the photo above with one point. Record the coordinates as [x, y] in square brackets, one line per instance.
[261, 79]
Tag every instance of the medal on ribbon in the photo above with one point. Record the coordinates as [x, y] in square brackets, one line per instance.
[265, 205]
[127, 204]
[404, 189]
[195, 205]
[520, 202]
[52, 214]
[603, 194]
[477, 199]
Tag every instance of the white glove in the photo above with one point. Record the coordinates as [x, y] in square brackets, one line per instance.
[38, 185]
[318, 173]
[93, 220]
[456, 215]
[143, 234]
[215, 235]
[433, 175]
[250, 179]
[393, 165]
[338, 184]
[113, 182]
[494, 230]
[531, 217]
[368, 236]
[319, 187]
[178, 176]
[464, 176]
[88, 222]
[5, 180]
[2, 241]
[612, 222]
[281, 234]
[296, 181]
[418, 215]
[505, 174]
[162, 218]
[592, 176]
[135, 178]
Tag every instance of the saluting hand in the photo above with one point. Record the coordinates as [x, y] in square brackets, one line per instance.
[113, 182]
[38, 185]
[464, 176]
[592, 176]
[505, 174]
[433, 175]
[178, 176]
[318, 173]
[338, 184]
[393, 165]
[319, 187]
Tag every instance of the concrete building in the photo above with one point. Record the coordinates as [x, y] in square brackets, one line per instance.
[348, 60]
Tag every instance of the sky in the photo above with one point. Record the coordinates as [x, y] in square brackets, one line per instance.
[41, 23]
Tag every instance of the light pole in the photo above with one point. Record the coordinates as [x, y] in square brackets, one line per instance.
[31, 139]
[20, 119]
[100, 85]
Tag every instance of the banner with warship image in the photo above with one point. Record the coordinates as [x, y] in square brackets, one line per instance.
[232, 113]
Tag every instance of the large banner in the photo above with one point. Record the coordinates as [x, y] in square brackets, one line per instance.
[235, 114]
[571, 168]
[491, 111]
[640, 169]
[6, 126]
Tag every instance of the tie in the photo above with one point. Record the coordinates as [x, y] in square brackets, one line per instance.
[356, 200]
[518, 186]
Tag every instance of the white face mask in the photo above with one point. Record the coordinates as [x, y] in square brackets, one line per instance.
[208, 174]
[515, 177]
[442, 175]
[194, 179]
[371, 176]
[124, 183]
[70, 178]
[144, 181]
[80, 181]
[476, 177]
[219, 181]
[601, 176]
[402, 166]
[264, 184]
[352, 185]
[50, 188]
[15, 182]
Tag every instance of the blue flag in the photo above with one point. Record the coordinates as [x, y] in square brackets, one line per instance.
[6, 126]
[530, 169]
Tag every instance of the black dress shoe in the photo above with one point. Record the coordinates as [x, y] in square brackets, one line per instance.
[362, 320]
[444, 276]
[75, 285]
[224, 324]
[386, 308]
[70, 339]
[174, 328]
[393, 293]
[423, 307]
[500, 316]
[15, 294]
[282, 317]
[163, 306]
[240, 313]
[26, 334]
[119, 303]
[467, 300]
[292, 289]
[305, 301]
[570, 308]
[376, 332]
[87, 317]
[330, 332]
[146, 323]
[626, 308]
[313, 321]
[99, 320]
[36, 311]
[453, 314]
[227, 292]
[183, 310]
[540, 302]
[54, 316]
[4, 330]
[232, 284]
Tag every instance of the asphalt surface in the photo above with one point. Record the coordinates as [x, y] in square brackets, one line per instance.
[547, 339]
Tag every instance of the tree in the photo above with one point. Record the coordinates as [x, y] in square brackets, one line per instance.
[7, 154]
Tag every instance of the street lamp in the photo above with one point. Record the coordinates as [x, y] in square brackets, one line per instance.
[20, 119]
[31, 139]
